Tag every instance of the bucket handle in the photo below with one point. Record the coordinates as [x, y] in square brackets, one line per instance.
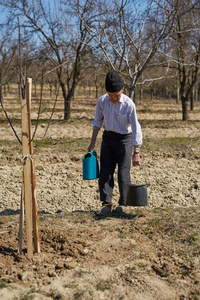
[145, 171]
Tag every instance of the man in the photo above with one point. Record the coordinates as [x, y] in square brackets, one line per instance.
[122, 133]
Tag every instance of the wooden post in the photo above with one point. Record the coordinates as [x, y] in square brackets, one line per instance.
[21, 222]
[29, 175]
[35, 213]
[33, 177]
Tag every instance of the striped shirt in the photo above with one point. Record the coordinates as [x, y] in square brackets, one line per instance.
[119, 117]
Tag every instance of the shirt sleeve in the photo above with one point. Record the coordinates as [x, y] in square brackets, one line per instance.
[98, 116]
[136, 128]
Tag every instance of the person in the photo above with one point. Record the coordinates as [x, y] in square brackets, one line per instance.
[122, 133]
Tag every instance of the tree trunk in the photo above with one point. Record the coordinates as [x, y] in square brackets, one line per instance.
[50, 87]
[67, 110]
[156, 95]
[67, 99]
[5, 92]
[151, 94]
[192, 99]
[71, 92]
[178, 95]
[35, 88]
[19, 89]
[196, 95]
[141, 94]
[1, 90]
[184, 108]
[97, 91]
[89, 89]
[56, 86]
[132, 94]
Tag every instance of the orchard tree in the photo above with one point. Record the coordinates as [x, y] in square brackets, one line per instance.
[60, 34]
[186, 49]
[7, 53]
[128, 34]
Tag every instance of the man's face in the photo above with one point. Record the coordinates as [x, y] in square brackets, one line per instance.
[115, 97]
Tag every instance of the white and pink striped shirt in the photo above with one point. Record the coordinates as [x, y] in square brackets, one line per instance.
[119, 117]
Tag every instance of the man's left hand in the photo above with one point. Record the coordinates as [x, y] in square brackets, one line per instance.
[136, 159]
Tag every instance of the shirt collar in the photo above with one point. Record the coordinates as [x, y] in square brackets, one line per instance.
[121, 99]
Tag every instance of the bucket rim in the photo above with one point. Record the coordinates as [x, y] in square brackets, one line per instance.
[136, 185]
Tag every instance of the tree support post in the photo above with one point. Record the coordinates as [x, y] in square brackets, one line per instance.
[31, 216]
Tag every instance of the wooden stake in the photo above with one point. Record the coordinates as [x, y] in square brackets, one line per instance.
[29, 197]
[27, 173]
[21, 222]
[33, 177]
[35, 213]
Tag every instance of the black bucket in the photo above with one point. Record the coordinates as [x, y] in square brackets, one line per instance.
[136, 195]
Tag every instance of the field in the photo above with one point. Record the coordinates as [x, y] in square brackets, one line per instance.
[150, 252]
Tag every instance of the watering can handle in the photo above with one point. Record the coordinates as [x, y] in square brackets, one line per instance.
[90, 154]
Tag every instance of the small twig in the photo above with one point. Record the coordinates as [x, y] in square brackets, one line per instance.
[9, 121]
[40, 105]
[54, 105]
[9, 62]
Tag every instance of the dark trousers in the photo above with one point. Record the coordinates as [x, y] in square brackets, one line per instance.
[116, 149]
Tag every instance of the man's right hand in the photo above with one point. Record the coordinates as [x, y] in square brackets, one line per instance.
[91, 147]
[93, 139]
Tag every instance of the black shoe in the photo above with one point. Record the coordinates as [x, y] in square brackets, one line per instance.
[105, 210]
[120, 209]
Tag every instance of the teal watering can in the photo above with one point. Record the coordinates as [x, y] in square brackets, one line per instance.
[90, 166]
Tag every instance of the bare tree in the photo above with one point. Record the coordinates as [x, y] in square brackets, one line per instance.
[140, 40]
[184, 48]
[186, 39]
[7, 52]
[61, 35]
[129, 35]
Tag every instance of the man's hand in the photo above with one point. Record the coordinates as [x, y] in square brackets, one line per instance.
[93, 139]
[91, 147]
[136, 159]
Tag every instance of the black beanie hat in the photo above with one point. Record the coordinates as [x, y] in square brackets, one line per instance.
[114, 82]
